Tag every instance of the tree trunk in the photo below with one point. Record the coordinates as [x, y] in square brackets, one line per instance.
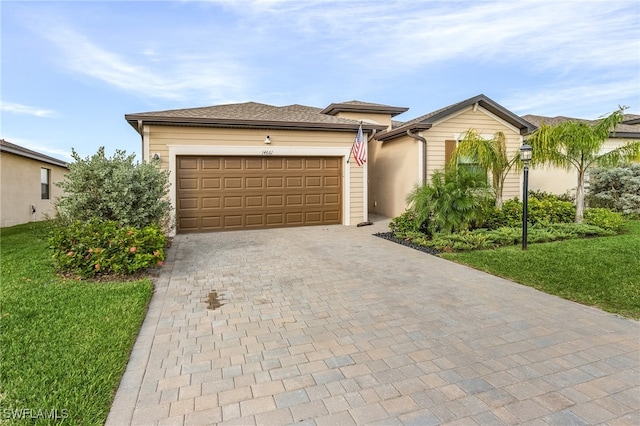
[580, 197]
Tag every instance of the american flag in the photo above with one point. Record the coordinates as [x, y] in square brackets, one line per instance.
[360, 148]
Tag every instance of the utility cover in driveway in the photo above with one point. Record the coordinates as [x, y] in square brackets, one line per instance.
[229, 193]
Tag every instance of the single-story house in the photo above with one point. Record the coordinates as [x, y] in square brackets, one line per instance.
[560, 181]
[409, 153]
[251, 165]
[27, 182]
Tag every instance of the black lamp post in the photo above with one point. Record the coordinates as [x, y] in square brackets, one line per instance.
[526, 152]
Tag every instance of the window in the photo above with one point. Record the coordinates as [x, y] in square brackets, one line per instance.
[45, 175]
[463, 162]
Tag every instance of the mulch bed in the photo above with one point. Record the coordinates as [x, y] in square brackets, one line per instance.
[389, 236]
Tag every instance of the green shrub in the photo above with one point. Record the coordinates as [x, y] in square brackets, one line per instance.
[114, 189]
[616, 189]
[605, 219]
[455, 199]
[547, 209]
[403, 224]
[543, 195]
[100, 247]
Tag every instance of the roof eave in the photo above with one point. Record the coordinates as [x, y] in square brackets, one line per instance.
[133, 120]
[333, 109]
[34, 156]
[401, 131]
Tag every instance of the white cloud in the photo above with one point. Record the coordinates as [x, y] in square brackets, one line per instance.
[26, 110]
[587, 100]
[174, 76]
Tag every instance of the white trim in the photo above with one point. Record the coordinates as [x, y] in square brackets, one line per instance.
[146, 155]
[267, 150]
[421, 165]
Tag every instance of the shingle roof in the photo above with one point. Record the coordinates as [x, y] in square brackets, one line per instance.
[425, 122]
[12, 148]
[249, 114]
[623, 130]
[359, 106]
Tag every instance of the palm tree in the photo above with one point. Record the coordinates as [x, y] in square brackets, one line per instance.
[456, 199]
[488, 154]
[577, 144]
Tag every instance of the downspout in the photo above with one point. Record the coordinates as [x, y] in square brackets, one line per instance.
[424, 154]
[141, 131]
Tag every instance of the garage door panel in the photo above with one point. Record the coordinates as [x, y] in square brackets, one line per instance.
[211, 222]
[188, 204]
[275, 163]
[294, 182]
[233, 163]
[210, 183]
[190, 183]
[275, 201]
[331, 199]
[232, 183]
[274, 182]
[210, 163]
[253, 163]
[313, 182]
[313, 199]
[254, 183]
[188, 163]
[210, 202]
[232, 202]
[255, 220]
[226, 193]
[254, 201]
[275, 219]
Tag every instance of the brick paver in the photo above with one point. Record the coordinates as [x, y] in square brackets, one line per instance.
[331, 325]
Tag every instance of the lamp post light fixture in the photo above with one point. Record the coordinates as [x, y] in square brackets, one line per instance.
[526, 153]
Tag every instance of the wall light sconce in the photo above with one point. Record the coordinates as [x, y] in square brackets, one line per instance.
[156, 157]
[267, 140]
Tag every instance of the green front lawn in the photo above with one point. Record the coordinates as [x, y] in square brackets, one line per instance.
[64, 344]
[602, 272]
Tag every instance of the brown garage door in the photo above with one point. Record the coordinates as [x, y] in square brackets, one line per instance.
[228, 193]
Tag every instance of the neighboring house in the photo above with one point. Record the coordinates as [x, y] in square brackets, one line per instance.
[27, 184]
[560, 181]
[251, 165]
[409, 153]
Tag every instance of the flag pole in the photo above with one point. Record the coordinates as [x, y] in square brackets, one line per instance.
[351, 152]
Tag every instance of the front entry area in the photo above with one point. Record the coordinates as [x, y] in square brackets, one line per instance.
[222, 193]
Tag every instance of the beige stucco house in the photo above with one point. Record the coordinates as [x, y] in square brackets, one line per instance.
[560, 181]
[27, 184]
[251, 165]
[409, 153]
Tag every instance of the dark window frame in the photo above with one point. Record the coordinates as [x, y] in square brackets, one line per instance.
[45, 183]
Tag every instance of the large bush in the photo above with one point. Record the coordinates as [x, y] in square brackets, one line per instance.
[617, 189]
[605, 219]
[114, 189]
[455, 199]
[100, 247]
[542, 209]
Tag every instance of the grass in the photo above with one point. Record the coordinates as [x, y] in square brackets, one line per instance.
[64, 343]
[602, 272]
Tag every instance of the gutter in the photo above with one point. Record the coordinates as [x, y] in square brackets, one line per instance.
[424, 154]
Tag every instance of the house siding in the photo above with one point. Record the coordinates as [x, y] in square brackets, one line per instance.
[395, 165]
[393, 173]
[20, 183]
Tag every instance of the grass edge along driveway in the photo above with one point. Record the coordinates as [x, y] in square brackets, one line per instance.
[603, 272]
[64, 344]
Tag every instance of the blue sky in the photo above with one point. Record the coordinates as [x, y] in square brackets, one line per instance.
[71, 70]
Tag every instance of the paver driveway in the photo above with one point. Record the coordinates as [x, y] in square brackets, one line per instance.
[332, 326]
